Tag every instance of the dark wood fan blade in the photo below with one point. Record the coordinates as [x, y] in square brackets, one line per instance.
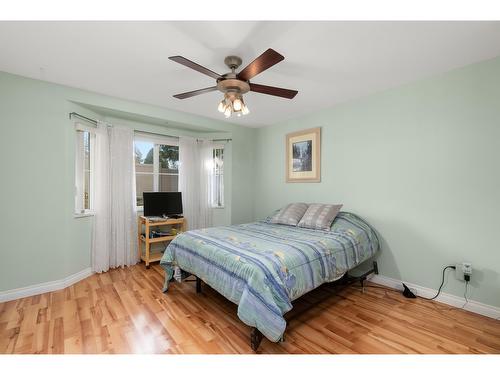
[271, 90]
[195, 66]
[261, 63]
[189, 94]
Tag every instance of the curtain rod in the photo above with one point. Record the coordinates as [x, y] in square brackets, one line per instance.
[215, 140]
[82, 117]
[138, 131]
[152, 133]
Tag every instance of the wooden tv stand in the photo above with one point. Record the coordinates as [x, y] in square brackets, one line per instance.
[145, 238]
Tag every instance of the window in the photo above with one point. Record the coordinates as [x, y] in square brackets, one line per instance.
[218, 177]
[156, 165]
[84, 170]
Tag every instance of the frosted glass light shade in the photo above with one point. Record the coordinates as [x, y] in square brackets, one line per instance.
[221, 106]
[237, 105]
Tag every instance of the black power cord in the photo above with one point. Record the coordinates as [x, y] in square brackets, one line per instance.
[466, 289]
[442, 283]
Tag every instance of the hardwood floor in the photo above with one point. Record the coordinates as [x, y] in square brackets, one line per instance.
[124, 311]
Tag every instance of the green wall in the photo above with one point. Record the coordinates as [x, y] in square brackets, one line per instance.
[41, 241]
[420, 163]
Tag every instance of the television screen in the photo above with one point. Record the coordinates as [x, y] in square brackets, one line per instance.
[159, 204]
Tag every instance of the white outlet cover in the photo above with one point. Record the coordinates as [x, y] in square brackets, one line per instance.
[467, 268]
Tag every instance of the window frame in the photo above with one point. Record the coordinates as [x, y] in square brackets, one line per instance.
[157, 140]
[79, 209]
[215, 194]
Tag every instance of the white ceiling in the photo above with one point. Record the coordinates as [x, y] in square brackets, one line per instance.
[327, 62]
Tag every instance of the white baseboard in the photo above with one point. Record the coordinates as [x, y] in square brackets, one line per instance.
[49, 286]
[448, 299]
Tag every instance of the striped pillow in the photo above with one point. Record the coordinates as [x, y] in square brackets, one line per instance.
[290, 214]
[319, 216]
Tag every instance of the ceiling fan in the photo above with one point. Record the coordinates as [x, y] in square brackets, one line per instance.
[234, 85]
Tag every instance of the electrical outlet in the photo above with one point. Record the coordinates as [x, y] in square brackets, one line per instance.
[467, 268]
[462, 270]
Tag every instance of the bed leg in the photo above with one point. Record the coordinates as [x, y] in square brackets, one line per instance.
[198, 285]
[362, 285]
[255, 339]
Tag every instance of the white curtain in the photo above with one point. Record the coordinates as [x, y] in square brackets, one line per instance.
[195, 180]
[101, 230]
[123, 206]
[114, 229]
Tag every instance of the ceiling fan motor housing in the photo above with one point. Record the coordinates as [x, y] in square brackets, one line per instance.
[232, 84]
[229, 83]
[233, 62]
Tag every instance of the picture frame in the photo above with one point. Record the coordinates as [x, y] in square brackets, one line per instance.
[303, 156]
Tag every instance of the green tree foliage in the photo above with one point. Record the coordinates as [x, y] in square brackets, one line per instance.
[169, 157]
[138, 155]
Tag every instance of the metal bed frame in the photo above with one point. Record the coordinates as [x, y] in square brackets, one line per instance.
[256, 336]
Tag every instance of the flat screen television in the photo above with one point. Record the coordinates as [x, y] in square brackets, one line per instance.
[162, 204]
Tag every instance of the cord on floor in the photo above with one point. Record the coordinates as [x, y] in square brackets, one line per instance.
[465, 294]
[430, 299]
[441, 286]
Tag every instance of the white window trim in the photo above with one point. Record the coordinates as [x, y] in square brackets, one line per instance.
[156, 166]
[79, 212]
[88, 213]
[213, 204]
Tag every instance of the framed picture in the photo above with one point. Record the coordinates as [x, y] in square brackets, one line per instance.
[303, 156]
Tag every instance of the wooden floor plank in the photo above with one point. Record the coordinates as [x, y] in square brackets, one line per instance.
[124, 311]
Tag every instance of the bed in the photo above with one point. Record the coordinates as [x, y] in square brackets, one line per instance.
[263, 267]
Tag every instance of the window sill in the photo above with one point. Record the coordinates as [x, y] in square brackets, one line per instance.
[84, 214]
[218, 207]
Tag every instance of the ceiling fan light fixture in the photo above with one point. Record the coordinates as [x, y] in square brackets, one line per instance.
[233, 103]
